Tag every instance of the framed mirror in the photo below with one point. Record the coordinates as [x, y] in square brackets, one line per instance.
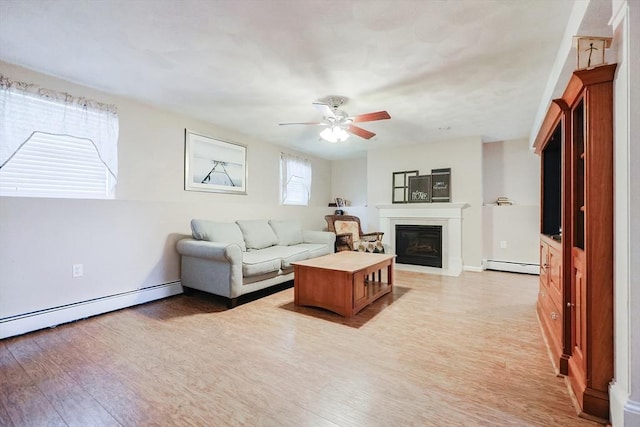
[400, 186]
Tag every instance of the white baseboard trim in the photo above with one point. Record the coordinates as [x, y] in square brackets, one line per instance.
[513, 267]
[632, 413]
[624, 411]
[28, 322]
[428, 270]
[473, 268]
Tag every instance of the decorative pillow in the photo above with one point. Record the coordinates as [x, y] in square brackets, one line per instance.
[257, 234]
[351, 227]
[221, 232]
[289, 232]
[369, 246]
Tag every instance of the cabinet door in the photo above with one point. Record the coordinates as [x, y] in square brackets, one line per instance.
[578, 312]
[359, 289]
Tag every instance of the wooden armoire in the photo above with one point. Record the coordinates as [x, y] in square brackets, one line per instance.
[575, 302]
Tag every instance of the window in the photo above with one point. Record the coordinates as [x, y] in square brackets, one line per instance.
[295, 180]
[55, 145]
[55, 166]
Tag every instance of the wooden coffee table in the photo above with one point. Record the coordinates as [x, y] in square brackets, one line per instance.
[344, 282]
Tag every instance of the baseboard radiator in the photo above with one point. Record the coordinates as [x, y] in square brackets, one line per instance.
[513, 267]
[51, 317]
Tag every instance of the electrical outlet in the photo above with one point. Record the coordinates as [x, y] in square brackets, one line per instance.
[76, 270]
[503, 244]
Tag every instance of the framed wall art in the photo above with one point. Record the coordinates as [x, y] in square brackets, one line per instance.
[420, 189]
[441, 185]
[400, 185]
[214, 165]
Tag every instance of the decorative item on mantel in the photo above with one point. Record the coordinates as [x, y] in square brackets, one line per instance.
[504, 201]
[590, 51]
[400, 185]
[441, 183]
[420, 189]
[411, 187]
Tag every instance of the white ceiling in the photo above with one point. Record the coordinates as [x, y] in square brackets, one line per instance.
[443, 69]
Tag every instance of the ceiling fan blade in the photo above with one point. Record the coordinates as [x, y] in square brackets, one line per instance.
[370, 117]
[324, 109]
[305, 123]
[362, 133]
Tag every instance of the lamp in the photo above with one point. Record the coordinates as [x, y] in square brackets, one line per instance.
[334, 134]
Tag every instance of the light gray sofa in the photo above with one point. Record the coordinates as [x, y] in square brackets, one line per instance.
[231, 259]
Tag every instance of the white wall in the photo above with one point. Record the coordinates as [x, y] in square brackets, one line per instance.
[128, 243]
[511, 234]
[349, 180]
[463, 156]
[625, 389]
[511, 170]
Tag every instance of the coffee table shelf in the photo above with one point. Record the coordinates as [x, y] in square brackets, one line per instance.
[344, 282]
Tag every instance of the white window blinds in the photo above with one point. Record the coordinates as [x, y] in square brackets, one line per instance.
[295, 180]
[55, 166]
[55, 145]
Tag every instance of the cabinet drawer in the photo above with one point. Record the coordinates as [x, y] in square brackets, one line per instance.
[544, 251]
[543, 292]
[555, 318]
[554, 273]
[551, 319]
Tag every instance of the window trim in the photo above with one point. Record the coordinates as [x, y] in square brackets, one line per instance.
[287, 162]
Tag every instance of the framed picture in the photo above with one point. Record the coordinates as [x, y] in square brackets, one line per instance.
[214, 165]
[441, 185]
[400, 185]
[420, 189]
[339, 202]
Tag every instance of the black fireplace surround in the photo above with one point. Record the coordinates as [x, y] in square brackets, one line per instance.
[419, 245]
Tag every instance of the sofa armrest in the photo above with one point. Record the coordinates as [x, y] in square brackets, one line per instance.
[214, 251]
[313, 236]
[211, 267]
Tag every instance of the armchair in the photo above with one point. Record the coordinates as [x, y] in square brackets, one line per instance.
[349, 235]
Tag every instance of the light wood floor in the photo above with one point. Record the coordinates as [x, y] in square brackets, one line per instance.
[439, 351]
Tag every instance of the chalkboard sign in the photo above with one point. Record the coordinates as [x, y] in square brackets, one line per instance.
[441, 185]
[420, 189]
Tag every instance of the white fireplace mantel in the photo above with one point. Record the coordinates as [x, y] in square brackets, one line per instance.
[447, 215]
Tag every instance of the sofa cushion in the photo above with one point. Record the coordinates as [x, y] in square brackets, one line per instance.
[257, 234]
[259, 262]
[300, 255]
[289, 232]
[275, 257]
[315, 249]
[221, 232]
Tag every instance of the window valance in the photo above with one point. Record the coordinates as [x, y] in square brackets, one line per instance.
[28, 108]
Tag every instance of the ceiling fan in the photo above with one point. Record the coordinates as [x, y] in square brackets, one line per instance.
[339, 124]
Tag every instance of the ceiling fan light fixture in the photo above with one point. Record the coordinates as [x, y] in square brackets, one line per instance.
[338, 124]
[334, 134]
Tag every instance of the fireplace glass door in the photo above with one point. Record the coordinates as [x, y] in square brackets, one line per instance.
[419, 245]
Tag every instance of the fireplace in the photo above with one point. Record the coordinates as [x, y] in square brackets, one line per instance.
[419, 245]
[446, 215]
